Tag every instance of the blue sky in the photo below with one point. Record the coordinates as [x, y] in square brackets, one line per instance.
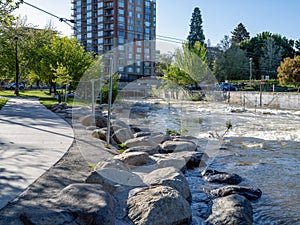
[219, 17]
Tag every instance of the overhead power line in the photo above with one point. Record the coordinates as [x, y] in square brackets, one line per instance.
[67, 21]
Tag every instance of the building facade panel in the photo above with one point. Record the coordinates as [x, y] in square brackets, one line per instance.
[126, 25]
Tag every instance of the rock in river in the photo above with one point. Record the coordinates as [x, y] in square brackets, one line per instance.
[221, 177]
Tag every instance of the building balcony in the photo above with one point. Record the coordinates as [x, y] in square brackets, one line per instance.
[109, 20]
[108, 5]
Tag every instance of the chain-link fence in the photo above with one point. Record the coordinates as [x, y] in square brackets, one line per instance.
[266, 100]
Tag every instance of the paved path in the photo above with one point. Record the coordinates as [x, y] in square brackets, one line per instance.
[32, 139]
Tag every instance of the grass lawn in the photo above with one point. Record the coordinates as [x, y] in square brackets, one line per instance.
[26, 93]
[44, 97]
[3, 102]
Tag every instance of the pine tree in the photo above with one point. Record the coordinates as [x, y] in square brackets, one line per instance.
[196, 31]
[297, 46]
[240, 34]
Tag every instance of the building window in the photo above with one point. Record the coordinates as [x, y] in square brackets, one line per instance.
[121, 40]
[147, 51]
[130, 21]
[138, 16]
[130, 28]
[139, 29]
[121, 19]
[121, 33]
[139, 23]
[121, 3]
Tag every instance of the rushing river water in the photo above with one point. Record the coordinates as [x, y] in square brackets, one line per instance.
[263, 147]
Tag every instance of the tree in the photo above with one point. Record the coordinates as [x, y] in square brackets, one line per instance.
[6, 9]
[196, 31]
[190, 66]
[289, 71]
[232, 63]
[66, 53]
[297, 46]
[271, 58]
[255, 48]
[240, 34]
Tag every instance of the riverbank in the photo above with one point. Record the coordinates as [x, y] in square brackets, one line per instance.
[204, 117]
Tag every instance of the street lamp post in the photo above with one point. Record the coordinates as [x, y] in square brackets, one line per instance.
[16, 38]
[250, 62]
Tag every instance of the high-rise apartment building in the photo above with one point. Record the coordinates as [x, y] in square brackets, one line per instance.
[126, 25]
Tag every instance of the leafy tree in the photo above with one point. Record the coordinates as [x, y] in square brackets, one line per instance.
[115, 89]
[232, 64]
[190, 66]
[240, 34]
[196, 30]
[255, 48]
[67, 53]
[225, 43]
[271, 58]
[7, 54]
[6, 9]
[289, 71]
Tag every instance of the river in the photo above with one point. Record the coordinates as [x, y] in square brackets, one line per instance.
[263, 147]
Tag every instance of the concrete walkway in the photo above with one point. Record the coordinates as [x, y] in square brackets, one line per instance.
[32, 139]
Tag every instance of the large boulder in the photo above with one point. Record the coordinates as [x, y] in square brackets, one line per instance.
[178, 146]
[122, 135]
[112, 163]
[232, 209]
[171, 177]
[221, 177]
[148, 149]
[180, 160]
[97, 120]
[44, 216]
[88, 203]
[111, 179]
[134, 158]
[195, 160]
[159, 205]
[248, 192]
[152, 141]
[100, 134]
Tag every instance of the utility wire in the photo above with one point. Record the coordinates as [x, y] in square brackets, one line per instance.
[60, 19]
[159, 37]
